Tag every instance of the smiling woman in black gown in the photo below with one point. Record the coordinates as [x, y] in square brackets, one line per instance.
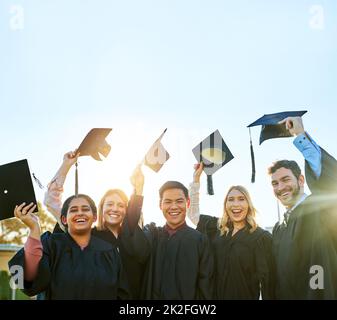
[114, 208]
[73, 265]
[244, 267]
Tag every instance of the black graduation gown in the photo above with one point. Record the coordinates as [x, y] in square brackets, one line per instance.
[128, 243]
[179, 266]
[309, 238]
[132, 262]
[66, 272]
[243, 262]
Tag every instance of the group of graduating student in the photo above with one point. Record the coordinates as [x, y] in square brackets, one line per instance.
[229, 257]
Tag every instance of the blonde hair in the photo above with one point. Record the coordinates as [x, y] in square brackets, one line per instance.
[100, 219]
[225, 222]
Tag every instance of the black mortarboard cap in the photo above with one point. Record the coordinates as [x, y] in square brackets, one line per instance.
[157, 155]
[271, 129]
[93, 145]
[16, 187]
[214, 154]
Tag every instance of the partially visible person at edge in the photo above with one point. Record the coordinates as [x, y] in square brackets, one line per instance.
[305, 242]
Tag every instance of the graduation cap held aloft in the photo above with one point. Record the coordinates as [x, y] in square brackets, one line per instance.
[93, 145]
[271, 129]
[16, 187]
[214, 154]
[156, 155]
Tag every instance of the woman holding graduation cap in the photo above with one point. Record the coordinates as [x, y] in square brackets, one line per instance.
[118, 218]
[113, 208]
[74, 265]
[242, 250]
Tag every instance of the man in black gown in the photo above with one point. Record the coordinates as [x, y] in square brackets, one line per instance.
[179, 266]
[304, 244]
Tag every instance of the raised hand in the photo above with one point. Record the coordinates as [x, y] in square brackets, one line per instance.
[198, 168]
[25, 214]
[70, 158]
[294, 125]
[137, 180]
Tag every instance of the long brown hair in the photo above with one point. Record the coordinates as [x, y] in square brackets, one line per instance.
[225, 222]
[121, 194]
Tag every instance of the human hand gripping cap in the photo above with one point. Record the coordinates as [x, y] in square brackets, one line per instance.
[16, 187]
[157, 155]
[271, 129]
[214, 154]
[93, 145]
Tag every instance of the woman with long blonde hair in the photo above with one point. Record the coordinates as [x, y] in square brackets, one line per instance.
[244, 267]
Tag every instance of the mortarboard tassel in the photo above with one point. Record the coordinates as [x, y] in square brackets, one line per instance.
[38, 181]
[76, 179]
[252, 158]
[210, 189]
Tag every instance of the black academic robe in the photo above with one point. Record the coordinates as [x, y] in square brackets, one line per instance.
[309, 239]
[66, 272]
[133, 261]
[243, 262]
[131, 244]
[179, 266]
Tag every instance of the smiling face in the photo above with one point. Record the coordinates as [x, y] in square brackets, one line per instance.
[286, 187]
[237, 206]
[174, 205]
[80, 216]
[114, 210]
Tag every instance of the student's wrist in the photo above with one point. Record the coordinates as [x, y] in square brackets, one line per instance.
[300, 132]
[64, 169]
[138, 190]
[35, 232]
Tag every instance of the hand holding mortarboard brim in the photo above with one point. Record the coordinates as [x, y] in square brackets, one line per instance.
[214, 154]
[93, 145]
[70, 158]
[294, 125]
[16, 187]
[272, 127]
[25, 214]
[157, 155]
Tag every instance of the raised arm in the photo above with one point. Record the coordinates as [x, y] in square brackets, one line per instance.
[133, 237]
[320, 167]
[53, 196]
[33, 248]
[134, 212]
[193, 212]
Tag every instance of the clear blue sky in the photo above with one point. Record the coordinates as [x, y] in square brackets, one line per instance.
[142, 66]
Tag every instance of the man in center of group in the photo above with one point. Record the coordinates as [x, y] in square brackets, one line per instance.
[180, 265]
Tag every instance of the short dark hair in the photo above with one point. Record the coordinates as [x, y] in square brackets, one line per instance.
[66, 204]
[172, 185]
[288, 164]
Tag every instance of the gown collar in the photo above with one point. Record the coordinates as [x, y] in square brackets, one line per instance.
[171, 231]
